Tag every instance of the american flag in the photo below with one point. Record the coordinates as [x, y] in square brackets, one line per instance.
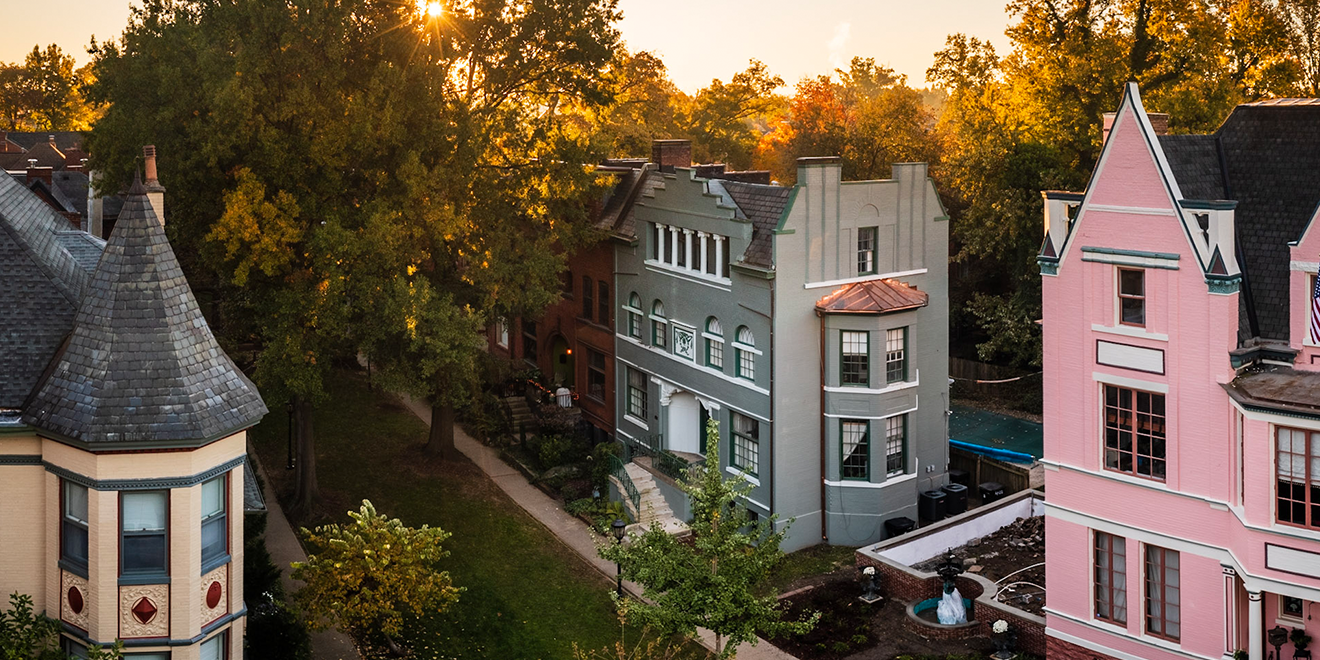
[1315, 311]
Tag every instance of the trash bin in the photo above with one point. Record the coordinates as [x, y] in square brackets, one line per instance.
[955, 500]
[991, 491]
[930, 505]
[899, 526]
[960, 477]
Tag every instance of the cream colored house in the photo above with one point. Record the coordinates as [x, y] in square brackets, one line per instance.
[122, 436]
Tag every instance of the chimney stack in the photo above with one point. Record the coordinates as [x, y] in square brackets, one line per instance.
[668, 154]
[155, 191]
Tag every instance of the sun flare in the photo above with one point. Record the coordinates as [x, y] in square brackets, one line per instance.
[430, 8]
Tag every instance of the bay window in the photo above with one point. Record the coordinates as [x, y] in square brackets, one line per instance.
[73, 527]
[143, 533]
[215, 533]
[1297, 470]
[896, 355]
[855, 360]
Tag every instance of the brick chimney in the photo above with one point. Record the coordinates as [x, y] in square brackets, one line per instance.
[669, 154]
[155, 191]
[1158, 121]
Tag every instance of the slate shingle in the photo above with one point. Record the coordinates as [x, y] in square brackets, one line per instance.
[141, 364]
[763, 205]
[1270, 154]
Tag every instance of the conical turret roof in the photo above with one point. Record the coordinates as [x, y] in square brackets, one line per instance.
[141, 365]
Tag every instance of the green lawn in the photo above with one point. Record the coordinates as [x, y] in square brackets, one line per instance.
[816, 560]
[528, 596]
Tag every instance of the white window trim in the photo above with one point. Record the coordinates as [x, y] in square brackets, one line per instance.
[1129, 331]
[635, 421]
[738, 472]
[901, 385]
[889, 481]
[744, 347]
[1133, 383]
[699, 277]
[1284, 618]
[915, 405]
[866, 278]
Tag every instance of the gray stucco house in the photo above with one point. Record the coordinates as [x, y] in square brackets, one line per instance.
[810, 321]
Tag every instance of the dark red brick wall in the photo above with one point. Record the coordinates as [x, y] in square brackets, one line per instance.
[1057, 649]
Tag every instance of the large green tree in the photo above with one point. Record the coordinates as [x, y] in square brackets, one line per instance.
[352, 175]
[44, 92]
[716, 578]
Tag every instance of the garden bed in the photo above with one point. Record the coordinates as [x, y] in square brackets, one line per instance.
[849, 628]
[1015, 551]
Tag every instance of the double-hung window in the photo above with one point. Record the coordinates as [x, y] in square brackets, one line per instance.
[743, 348]
[1297, 470]
[637, 394]
[855, 450]
[714, 344]
[588, 307]
[659, 325]
[144, 532]
[1110, 577]
[855, 359]
[215, 534]
[73, 528]
[214, 648]
[896, 444]
[595, 374]
[896, 355]
[603, 303]
[746, 443]
[866, 251]
[502, 333]
[634, 310]
[529, 340]
[1134, 432]
[1132, 297]
[1163, 600]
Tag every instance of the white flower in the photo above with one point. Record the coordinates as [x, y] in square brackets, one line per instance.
[869, 570]
[1000, 627]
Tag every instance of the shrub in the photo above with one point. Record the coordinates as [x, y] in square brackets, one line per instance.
[580, 507]
[601, 465]
[552, 450]
[275, 633]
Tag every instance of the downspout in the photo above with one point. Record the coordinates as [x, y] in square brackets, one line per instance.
[824, 533]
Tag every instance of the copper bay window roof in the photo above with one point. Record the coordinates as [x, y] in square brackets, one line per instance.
[873, 297]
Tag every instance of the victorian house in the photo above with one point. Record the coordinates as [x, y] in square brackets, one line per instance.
[122, 436]
[810, 322]
[1182, 421]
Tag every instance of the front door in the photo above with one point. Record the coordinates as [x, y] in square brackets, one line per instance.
[684, 419]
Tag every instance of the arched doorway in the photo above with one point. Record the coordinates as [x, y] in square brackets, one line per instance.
[561, 357]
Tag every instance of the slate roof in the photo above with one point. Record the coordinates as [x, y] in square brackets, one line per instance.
[763, 205]
[63, 139]
[141, 365]
[873, 297]
[650, 181]
[1270, 155]
[85, 248]
[41, 283]
[73, 185]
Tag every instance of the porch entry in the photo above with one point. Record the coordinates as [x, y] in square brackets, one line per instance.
[687, 424]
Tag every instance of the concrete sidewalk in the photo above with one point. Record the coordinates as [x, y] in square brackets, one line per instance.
[284, 549]
[573, 532]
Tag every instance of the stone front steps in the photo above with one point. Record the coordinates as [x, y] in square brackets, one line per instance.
[520, 414]
[654, 507]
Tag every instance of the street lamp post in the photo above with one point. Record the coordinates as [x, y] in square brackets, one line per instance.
[617, 527]
[288, 407]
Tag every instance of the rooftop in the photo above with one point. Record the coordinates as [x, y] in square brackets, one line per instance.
[873, 297]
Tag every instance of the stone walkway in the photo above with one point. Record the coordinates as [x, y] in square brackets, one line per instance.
[284, 550]
[569, 529]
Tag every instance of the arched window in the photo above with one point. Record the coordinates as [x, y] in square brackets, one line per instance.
[634, 309]
[744, 348]
[659, 325]
[714, 344]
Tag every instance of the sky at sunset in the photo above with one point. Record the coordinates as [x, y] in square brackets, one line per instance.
[698, 39]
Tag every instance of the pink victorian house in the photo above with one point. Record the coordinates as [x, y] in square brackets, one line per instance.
[1182, 392]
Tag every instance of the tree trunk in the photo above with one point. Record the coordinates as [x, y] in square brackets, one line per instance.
[441, 441]
[306, 492]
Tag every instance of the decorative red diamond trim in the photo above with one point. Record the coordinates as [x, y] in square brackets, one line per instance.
[144, 610]
[75, 600]
[213, 594]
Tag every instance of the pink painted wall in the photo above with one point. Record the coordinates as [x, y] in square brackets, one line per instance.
[1205, 461]
[1307, 250]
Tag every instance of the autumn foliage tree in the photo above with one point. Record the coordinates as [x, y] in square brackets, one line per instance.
[365, 578]
[45, 92]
